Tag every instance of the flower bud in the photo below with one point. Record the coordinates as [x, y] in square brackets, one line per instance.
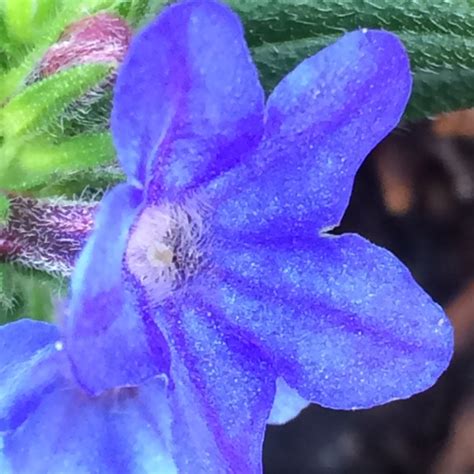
[99, 39]
[45, 234]
[102, 38]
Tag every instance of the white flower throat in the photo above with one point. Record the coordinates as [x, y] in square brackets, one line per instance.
[166, 247]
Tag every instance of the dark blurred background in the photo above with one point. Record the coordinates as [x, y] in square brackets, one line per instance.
[415, 196]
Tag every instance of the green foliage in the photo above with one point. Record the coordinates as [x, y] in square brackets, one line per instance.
[39, 136]
[4, 209]
[25, 158]
[438, 34]
[7, 293]
[35, 295]
[139, 12]
[38, 159]
[41, 103]
[27, 22]
[26, 293]
[88, 184]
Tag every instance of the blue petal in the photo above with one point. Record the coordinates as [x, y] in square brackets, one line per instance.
[188, 103]
[109, 339]
[5, 466]
[122, 432]
[323, 120]
[29, 368]
[345, 322]
[287, 405]
[222, 391]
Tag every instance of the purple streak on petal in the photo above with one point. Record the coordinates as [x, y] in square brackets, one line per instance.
[30, 367]
[107, 333]
[222, 391]
[346, 322]
[121, 432]
[188, 104]
[323, 119]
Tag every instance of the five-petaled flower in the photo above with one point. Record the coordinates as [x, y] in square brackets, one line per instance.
[209, 276]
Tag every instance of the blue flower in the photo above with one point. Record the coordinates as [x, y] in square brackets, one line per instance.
[209, 278]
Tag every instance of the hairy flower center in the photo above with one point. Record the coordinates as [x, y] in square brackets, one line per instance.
[166, 247]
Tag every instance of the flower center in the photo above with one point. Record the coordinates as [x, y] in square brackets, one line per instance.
[166, 247]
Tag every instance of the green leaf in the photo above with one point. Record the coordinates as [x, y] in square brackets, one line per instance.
[438, 34]
[35, 293]
[89, 183]
[22, 63]
[136, 10]
[45, 10]
[37, 160]
[37, 298]
[141, 12]
[41, 103]
[4, 209]
[19, 16]
[27, 293]
[51, 17]
[7, 294]
[29, 21]
[7, 49]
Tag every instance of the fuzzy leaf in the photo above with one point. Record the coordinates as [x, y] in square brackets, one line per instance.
[6, 47]
[7, 294]
[4, 208]
[143, 11]
[28, 293]
[87, 184]
[35, 293]
[439, 36]
[38, 159]
[41, 103]
[13, 79]
[26, 20]
[19, 16]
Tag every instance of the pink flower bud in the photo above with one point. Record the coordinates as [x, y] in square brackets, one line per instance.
[46, 234]
[99, 39]
[102, 38]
